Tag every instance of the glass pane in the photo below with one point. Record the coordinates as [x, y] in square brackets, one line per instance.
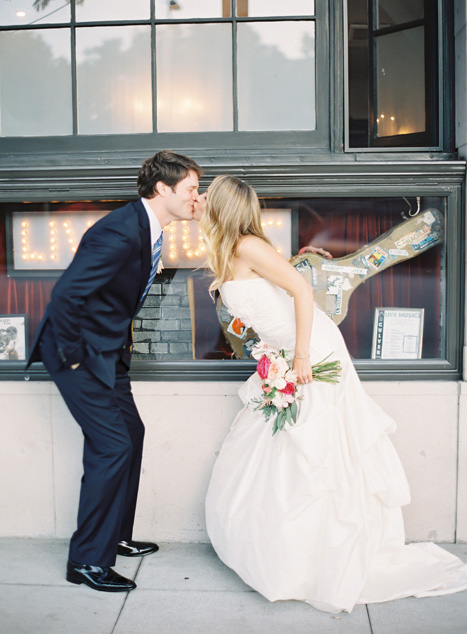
[255, 8]
[276, 76]
[194, 87]
[35, 83]
[400, 83]
[89, 10]
[392, 12]
[114, 80]
[358, 73]
[22, 12]
[173, 10]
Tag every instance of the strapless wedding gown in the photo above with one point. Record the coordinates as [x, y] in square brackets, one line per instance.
[313, 513]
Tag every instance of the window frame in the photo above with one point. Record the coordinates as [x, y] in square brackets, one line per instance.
[420, 178]
[441, 103]
[75, 143]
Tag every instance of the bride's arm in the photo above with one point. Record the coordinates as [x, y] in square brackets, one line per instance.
[263, 259]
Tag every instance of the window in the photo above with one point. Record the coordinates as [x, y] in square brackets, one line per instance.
[389, 252]
[160, 67]
[393, 73]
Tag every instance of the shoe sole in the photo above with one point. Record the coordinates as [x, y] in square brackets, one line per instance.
[151, 552]
[79, 580]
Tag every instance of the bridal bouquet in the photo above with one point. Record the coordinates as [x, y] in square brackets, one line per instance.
[279, 384]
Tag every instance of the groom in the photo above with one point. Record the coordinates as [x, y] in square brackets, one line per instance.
[84, 341]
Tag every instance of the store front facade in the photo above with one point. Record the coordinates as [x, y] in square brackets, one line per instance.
[341, 115]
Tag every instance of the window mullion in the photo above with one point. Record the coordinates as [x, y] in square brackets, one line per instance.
[234, 69]
[74, 77]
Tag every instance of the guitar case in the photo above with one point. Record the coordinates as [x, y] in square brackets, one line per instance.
[335, 280]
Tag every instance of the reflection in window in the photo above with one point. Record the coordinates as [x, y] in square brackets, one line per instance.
[256, 8]
[23, 12]
[393, 12]
[400, 62]
[173, 10]
[35, 83]
[90, 10]
[114, 80]
[276, 76]
[193, 85]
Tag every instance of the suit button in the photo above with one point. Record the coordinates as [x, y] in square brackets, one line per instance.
[124, 346]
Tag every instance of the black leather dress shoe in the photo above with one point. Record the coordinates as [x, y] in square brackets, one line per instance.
[136, 549]
[99, 578]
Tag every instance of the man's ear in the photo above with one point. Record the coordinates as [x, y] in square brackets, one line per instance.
[161, 189]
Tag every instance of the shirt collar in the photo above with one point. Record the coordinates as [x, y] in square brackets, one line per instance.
[154, 224]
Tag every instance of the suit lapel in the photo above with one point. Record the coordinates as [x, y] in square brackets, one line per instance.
[145, 232]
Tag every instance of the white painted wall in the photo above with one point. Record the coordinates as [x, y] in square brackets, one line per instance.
[40, 456]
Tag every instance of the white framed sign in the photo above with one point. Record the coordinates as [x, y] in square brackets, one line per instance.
[398, 333]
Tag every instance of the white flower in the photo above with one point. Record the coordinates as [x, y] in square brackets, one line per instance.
[260, 349]
[279, 400]
[278, 368]
[279, 383]
[160, 266]
[291, 377]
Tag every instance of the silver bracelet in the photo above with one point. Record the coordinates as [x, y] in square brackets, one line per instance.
[297, 357]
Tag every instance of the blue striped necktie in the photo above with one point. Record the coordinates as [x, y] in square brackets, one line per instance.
[156, 254]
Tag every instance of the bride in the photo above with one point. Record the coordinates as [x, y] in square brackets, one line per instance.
[313, 512]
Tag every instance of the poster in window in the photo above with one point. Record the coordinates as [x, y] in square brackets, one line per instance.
[13, 338]
[398, 333]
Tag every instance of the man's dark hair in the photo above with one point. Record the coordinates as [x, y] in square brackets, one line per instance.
[165, 166]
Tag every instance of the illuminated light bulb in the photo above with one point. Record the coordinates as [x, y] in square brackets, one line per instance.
[202, 248]
[189, 254]
[172, 256]
[21, 14]
[66, 224]
[263, 224]
[51, 223]
[185, 230]
[33, 256]
[24, 248]
[24, 224]
[269, 222]
[71, 240]
[40, 257]
[171, 238]
[68, 232]
[89, 223]
[382, 116]
[278, 223]
[74, 249]
[24, 241]
[184, 222]
[185, 246]
[279, 251]
[25, 256]
[377, 120]
[52, 240]
[53, 233]
[24, 233]
[53, 248]
[393, 118]
[184, 238]
[196, 252]
[172, 229]
[172, 247]
[53, 257]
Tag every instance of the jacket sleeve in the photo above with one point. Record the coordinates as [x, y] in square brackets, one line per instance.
[103, 251]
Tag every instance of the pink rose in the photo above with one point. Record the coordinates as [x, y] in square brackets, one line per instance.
[267, 389]
[263, 367]
[288, 389]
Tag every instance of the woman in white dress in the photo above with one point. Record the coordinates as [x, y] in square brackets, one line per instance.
[313, 512]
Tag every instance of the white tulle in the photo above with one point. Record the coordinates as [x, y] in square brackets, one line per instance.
[313, 513]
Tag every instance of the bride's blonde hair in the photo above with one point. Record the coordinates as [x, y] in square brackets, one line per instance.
[232, 211]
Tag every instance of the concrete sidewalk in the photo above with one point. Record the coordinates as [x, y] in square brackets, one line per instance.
[184, 588]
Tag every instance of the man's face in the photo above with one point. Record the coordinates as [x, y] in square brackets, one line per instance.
[200, 206]
[180, 202]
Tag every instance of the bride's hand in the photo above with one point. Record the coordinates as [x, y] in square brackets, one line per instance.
[302, 368]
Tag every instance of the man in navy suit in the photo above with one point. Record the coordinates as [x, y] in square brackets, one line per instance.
[84, 342]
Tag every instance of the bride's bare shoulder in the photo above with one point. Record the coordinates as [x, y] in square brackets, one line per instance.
[248, 245]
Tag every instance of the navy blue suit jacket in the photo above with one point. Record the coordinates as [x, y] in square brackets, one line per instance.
[94, 301]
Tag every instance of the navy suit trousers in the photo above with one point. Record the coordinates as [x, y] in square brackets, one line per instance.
[113, 445]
